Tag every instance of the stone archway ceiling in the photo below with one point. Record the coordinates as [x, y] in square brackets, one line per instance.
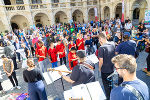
[139, 4]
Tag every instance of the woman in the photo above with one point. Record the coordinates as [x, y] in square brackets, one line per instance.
[8, 68]
[33, 77]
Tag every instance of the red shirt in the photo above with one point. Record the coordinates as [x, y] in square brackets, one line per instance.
[81, 47]
[72, 56]
[70, 46]
[61, 48]
[53, 54]
[42, 51]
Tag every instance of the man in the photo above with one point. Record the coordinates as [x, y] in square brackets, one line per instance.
[105, 53]
[26, 50]
[9, 51]
[132, 88]
[126, 47]
[82, 73]
[41, 53]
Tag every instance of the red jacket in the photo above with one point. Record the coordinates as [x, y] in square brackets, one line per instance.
[72, 56]
[53, 54]
[81, 47]
[61, 48]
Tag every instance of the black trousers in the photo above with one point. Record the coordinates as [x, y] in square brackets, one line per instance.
[107, 84]
[13, 79]
[15, 63]
[148, 62]
[63, 59]
[1, 88]
[32, 50]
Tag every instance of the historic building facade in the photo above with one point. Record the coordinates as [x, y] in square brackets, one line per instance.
[24, 13]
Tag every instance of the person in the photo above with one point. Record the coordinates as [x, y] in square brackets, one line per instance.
[132, 88]
[126, 47]
[9, 51]
[83, 73]
[52, 52]
[80, 43]
[26, 50]
[33, 76]
[1, 88]
[71, 44]
[17, 47]
[41, 53]
[72, 58]
[8, 68]
[105, 53]
[89, 45]
[60, 48]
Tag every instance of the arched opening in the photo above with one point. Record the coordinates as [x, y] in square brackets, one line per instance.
[119, 10]
[61, 17]
[2, 28]
[19, 22]
[106, 12]
[41, 19]
[7, 2]
[91, 15]
[12, 2]
[78, 16]
[139, 7]
[14, 26]
[136, 13]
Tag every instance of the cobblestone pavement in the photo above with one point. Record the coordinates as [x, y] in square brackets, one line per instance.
[56, 90]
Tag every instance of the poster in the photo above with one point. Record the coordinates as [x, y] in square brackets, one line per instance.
[147, 18]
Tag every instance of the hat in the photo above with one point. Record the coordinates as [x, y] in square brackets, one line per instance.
[73, 48]
[126, 34]
[81, 53]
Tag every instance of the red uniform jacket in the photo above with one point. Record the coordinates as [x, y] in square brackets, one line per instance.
[42, 51]
[81, 47]
[72, 56]
[70, 46]
[61, 48]
[53, 54]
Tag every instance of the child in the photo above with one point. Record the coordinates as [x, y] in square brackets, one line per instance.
[89, 45]
[52, 55]
[60, 48]
[72, 44]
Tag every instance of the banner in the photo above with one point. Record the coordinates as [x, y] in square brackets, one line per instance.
[95, 10]
[122, 18]
[147, 18]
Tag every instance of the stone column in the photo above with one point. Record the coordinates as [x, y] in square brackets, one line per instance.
[85, 11]
[69, 15]
[4, 17]
[52, 18]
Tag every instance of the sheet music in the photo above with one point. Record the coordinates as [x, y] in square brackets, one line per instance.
[52, 76]
[90, 91]
[93, 58]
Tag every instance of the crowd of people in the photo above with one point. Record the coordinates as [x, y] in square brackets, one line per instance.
[116, 44]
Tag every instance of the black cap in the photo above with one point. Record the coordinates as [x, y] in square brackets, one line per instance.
[81, 53]
[73, 48]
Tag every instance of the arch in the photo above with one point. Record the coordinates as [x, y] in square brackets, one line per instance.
[41, 19]
[61, 17]
[91, 14]
[106, 12]
[20, 20]
[77, 16]
[136, 13]
[118, 10]
[139, 7]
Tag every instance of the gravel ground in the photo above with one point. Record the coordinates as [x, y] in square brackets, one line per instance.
[55, 90]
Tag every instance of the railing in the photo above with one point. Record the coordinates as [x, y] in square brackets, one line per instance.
[38, 6]
[14, 7]
[76, 4]
[91, 3]
[55, 5]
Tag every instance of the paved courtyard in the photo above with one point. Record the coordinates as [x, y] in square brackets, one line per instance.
[55, 90]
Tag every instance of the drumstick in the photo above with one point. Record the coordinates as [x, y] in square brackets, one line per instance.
[59, 71]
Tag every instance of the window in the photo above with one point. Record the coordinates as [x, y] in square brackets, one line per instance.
[19, 2]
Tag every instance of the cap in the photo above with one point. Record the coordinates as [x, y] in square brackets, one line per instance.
[126, 34]
[81, 53]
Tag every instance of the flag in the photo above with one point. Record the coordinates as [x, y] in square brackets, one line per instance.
[122, 18]
[95, 10]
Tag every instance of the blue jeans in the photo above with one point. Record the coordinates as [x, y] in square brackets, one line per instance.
[43, 65]
[54, 64]
[37, 91]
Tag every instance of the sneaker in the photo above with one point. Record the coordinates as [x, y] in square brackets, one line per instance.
[18, 87]
[13, 88]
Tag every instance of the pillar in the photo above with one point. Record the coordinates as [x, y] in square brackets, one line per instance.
[85, 11]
